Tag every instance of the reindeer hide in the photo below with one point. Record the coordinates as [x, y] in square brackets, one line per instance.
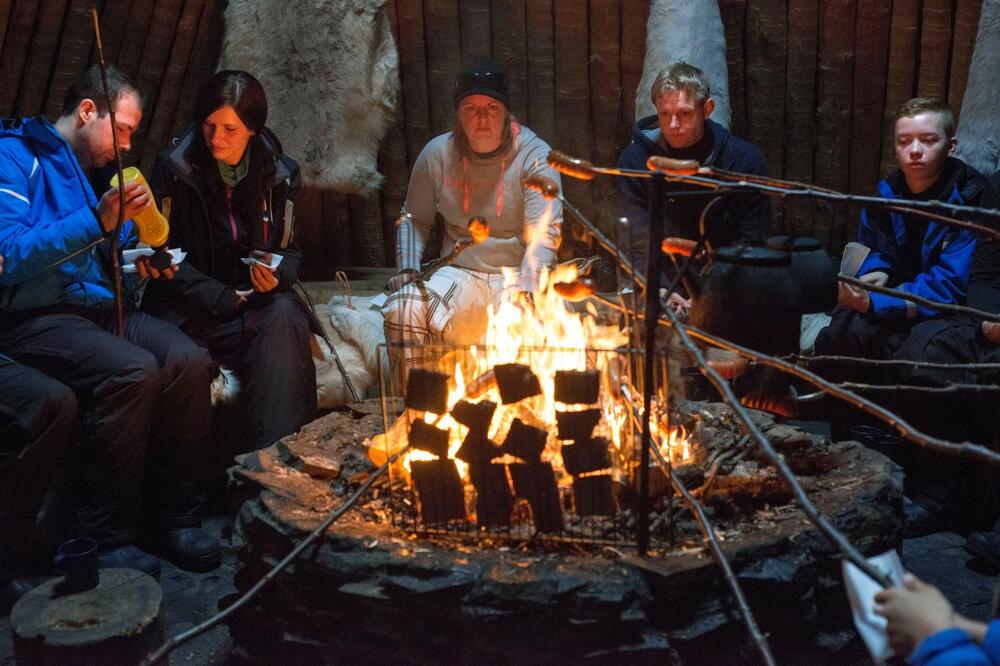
[329, 68]
[356, 333]
[688, 31]
[978, 139]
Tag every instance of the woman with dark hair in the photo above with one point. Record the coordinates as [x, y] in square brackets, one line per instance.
[229, 193]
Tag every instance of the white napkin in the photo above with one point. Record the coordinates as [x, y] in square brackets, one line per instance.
[129, 256]
[275, 259]
[854, 255]
[861, 591]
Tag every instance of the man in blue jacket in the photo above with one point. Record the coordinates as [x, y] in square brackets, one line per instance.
[909, 253]
[143, 398]
[681, 129]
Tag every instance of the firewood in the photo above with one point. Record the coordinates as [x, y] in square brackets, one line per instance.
[935, 40]
[592, 495]
[900, 76]
[40, 56]
[541, 70]
[963, 42]
[588, 455]
[510, 50]
[525, 442]
[20, 27]
[494, 500]
[78, 36]
[577, 387]
[427, 438]
[443, 61]
[476, 416]
[577, 425]
[537, 484]
[133, 42]
[440, 491]
[516, 382]
[427, 390]
[319, 467]
[476, 449]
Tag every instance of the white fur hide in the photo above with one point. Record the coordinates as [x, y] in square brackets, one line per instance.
[978, 138]
[356, 334]
[688, 30]
[330, 70]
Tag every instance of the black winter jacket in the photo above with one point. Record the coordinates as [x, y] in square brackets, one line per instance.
[736, 218]
[193, 199]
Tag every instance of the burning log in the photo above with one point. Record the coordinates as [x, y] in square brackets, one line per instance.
[537, 484]
[427, 438]
[494, 500]
[476, 416]
[592, 495]
[589, 455]
[577, 387]
[525, 442]
[476, 449]
[577, 425]
[516, 382]
[427, 390]
[440, 490]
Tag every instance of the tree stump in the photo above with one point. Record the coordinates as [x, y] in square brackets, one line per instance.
[117, 622]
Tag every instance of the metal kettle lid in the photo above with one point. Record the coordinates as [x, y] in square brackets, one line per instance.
[794, 243]
[752, 256]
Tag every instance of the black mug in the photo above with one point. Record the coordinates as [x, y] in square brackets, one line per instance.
[76, 559]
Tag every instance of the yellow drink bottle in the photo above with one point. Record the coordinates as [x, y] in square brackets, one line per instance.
[153, 227]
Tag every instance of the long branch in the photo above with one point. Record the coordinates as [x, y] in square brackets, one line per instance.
[874, 362]
[914, 388]
[776, 459]
[920, 300]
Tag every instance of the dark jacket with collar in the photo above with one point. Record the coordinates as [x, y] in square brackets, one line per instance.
[945, 251]
[736, 218]
[191, 195]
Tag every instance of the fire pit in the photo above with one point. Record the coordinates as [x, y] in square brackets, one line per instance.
[375, 590]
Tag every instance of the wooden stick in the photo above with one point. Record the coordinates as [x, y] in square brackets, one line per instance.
[800, 106]
[796, 358]
[74, 49]
[914, 388]
[899, 85]
[15, 51]
[40, 57]
[920, 300]
[935, 43]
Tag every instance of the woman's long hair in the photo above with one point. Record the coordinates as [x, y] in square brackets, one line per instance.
[244, 93]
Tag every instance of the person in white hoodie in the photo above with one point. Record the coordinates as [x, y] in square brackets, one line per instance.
[475, 170]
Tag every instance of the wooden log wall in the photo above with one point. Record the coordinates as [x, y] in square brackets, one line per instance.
[814, 83]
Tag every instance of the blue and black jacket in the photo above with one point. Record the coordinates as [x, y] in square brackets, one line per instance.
[945, 251]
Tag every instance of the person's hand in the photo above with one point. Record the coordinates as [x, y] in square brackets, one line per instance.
[914, 611]
[144, 266]
[262, 278]
[242, 295]
[991, 331]
[877, 278]
[137, 199]
[1, 264]
[401, 279]
[852, 298]
[677, 303]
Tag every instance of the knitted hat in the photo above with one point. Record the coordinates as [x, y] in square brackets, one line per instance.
[482, 77]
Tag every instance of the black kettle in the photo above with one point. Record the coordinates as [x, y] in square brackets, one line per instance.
[812, 268]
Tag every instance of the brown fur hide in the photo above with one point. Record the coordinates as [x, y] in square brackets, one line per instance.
[330, 71]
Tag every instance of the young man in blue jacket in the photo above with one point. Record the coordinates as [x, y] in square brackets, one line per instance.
[682, 129]
[909, 253]
[143, 398]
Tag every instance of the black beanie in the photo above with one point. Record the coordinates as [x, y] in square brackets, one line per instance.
[482, 76]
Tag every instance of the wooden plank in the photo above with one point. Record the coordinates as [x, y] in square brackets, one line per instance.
[734, 17]
[476, 34]
[152, 65]
[310, 218]
[966, 25]
[605, 102]
[573, 92]
[413, 70]
[15, 51]
[336, 231]
[935, 46]
[767, 46]
[43, 49]
[114, 24]
[541, 70]
[392, 164]
[900, 79]
[634, 17]
[366, 229]
[173, 77]
[510, 50]
[800, 107]
[133, 41]
[442, 61]
[204, 57]
[78, 36]
[836, 70]
[5, 9]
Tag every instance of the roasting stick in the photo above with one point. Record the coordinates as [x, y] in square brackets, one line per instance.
[708, 533]
[857, 360]
[171, 644]
[920, 300]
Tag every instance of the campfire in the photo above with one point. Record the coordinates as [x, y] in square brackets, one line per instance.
[530, 433]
